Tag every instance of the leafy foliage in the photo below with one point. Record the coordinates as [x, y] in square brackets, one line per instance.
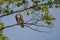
[1, 35]
[48, 18]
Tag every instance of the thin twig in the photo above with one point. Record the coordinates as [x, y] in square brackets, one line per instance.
[38, 30]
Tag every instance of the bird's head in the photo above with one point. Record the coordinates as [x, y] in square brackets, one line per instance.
[18, 15]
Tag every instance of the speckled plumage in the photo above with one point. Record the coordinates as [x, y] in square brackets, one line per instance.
[19, 19]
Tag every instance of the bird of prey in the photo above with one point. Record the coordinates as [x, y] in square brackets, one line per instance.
[20, 20]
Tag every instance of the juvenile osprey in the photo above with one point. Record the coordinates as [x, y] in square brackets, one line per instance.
[20, 20]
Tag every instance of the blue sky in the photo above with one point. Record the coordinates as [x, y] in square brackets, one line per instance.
[18, 33]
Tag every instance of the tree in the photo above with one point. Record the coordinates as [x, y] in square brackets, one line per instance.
[35, 9]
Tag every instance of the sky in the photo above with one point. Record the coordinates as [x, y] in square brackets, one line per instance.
[18, 33]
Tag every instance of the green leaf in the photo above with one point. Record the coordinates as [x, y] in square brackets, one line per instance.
[1, 25]
[5, 38]
[48, 22]
[27, 12]
[50, 1]
[57, 6]
[35, 2]
[0, 37]
[1, 3]
[57, 1]
[0, 10]
[19, 3]
[7, 11]
[7, 6]
[24, 1]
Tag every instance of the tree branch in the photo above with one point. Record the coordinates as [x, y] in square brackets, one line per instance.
[19, 11]
[22, 10]
[24, 23]
[25, 9]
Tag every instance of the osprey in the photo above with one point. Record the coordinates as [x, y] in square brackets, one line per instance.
[20, 20]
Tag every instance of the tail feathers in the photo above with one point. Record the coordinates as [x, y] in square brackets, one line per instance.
[22, 25]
